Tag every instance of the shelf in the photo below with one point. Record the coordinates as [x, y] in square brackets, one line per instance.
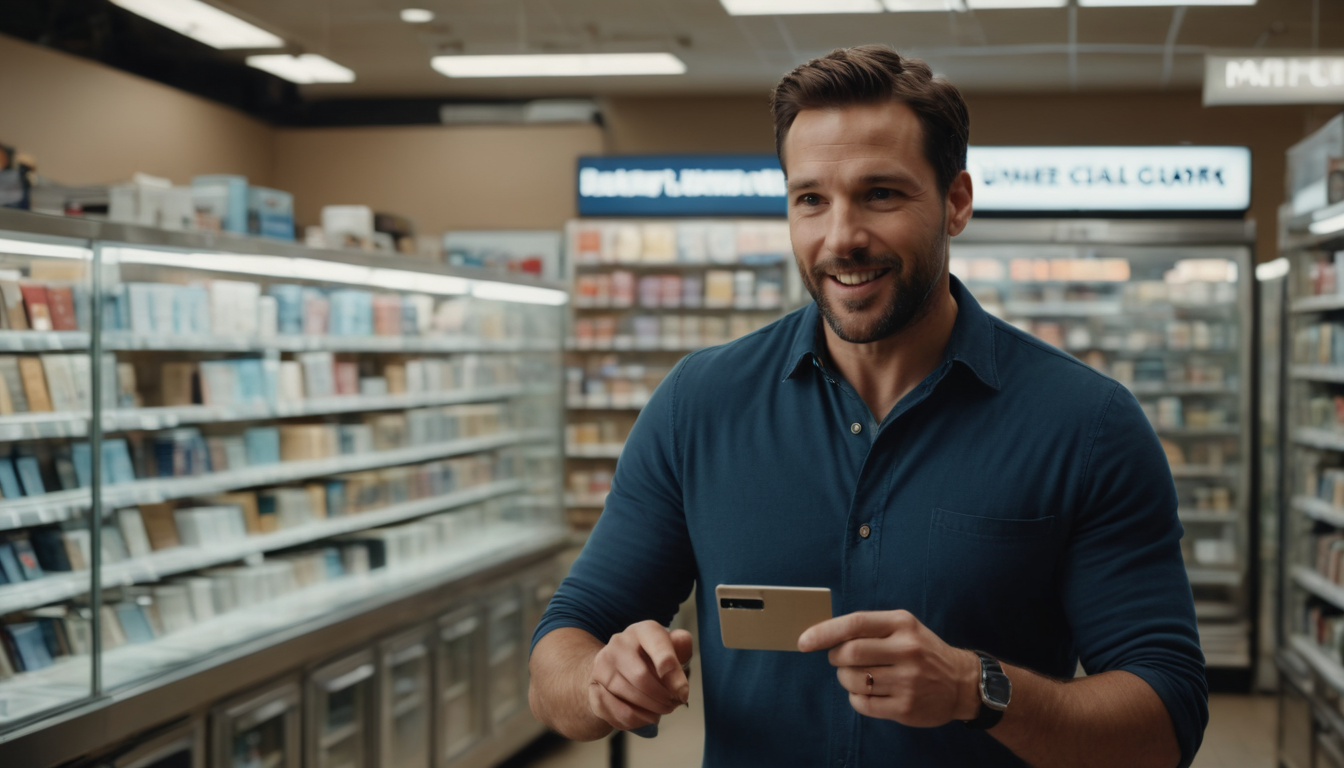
[1325, 303]
[662, 266]
[1209, 516]
[1318, 585]
[33, 426]
[170, 562]
[629, 345]
[585, 500]
[1320, 661]
[62, 505]
[595, 451]
[246, 631]
[124, 341]
[1180, 388]
[1319, 509]
[1202, 472]
[1209, 610]
[1214, 576]
[1062, 308]
[1299, 235]
[1328, 373]
[1324, 439]
[1230, 430]
[602, 404]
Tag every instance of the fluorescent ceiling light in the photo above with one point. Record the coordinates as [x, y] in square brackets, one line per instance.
[1141, 3]
[903, 6]
[982, 5]
[204, 23]
[789, 7]
[1272, 270]
[559, 65]
[527, 294]
[305, 69]
[416, 16]
[47, 250]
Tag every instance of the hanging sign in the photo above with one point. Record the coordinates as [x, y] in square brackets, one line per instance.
[1309, 78]
[1013, 180]
[1110, 179]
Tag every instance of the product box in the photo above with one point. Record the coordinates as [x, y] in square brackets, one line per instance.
[141, 201]
[221, 198]
[347, 226]
[16, 179]
[270, 213]
[1309, 167]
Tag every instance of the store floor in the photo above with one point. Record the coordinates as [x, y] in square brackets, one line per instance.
[1240, 735]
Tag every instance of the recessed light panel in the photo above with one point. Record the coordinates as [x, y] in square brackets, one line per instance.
[983, 5]
[907, 6]
[305, 69]
[1141, 3]
[559, 65]
[416, 16]
[790, 7]
[204, 23]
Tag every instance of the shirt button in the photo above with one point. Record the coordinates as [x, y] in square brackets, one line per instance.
[856, 427]
[865, 531]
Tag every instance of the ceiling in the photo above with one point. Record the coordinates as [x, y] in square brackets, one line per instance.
[1000, 50]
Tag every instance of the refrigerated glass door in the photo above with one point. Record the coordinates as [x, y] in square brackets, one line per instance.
[339, 708]
[404, 713]
[458, 667]
[506, 659]
[260, 730]
[182, 747]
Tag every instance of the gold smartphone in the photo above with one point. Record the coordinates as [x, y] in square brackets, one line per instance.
[769, 618]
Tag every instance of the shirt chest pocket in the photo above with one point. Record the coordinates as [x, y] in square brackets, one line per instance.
[986, 575]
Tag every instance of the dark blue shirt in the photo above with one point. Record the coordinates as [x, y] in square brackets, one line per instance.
[1017, 502]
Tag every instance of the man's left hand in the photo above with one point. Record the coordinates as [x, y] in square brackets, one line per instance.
[895, 668]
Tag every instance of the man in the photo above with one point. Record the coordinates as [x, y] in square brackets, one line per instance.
[975, 500]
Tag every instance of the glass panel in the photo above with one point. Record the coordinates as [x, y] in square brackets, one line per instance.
[408, 703]
[459, 691]
[507, 682]
[264, 745]
[1166, 321]
[48, 548]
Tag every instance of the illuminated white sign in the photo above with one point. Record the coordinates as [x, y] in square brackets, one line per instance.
[682, 182]
[1257, 79]
[1206, 179]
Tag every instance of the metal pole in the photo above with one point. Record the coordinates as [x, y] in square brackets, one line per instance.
[618, 750]
[96, 468]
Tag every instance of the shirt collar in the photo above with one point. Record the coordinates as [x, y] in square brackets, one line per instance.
[971, 343]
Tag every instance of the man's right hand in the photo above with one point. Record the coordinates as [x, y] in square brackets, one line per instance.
[637, 677]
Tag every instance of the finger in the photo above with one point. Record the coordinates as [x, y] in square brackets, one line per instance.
[634, 665]
[683, 644]
[664, 660]
[833, 632]
[866, 652]
[855, 680]
[626, 691]
[621, 715]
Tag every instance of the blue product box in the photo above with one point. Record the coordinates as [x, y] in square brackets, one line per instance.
[289, 308]
[223, 196]
[270, 213]
[263, 445]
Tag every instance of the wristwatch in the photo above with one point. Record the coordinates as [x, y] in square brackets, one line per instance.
[996, 690]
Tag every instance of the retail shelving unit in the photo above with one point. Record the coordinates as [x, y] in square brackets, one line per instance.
[1163, 307]
[294, 457]
[646, 293]
[1312, 517]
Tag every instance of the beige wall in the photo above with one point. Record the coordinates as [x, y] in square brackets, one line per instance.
[443, 178]
[87, 123]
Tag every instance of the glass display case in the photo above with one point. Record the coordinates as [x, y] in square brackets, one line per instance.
[270, 437]
[460, 681]
[506, 654]
[181, 746]
[646, 292]
[405, 708]
[1161, 307]
[260, 730]
[340, 713]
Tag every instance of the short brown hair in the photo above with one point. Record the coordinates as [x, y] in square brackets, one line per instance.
[869, 74]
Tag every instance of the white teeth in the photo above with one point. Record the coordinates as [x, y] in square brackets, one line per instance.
[854, 278]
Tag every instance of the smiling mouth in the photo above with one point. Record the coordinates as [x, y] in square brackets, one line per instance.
[851, 279]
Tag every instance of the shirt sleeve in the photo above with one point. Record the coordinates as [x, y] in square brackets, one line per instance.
[1125, 587]
[638, 563]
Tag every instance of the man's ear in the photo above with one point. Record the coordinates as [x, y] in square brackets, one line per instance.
[959, 203]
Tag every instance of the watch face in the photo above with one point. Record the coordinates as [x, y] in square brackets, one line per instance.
[997, 688]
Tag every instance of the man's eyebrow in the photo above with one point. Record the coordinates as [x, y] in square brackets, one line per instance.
[794, 186]
[874, 178]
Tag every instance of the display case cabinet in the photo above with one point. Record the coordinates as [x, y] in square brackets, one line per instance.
[179, 746]
[646, 292]
[405, 699]
[1164, 308]
[263, 729]
[460, 679]
[340, 715]
[506, 654]
[270, 439]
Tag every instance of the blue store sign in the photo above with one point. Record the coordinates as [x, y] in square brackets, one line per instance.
[682, 185]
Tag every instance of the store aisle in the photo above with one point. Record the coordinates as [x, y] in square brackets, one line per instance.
[1241, 735]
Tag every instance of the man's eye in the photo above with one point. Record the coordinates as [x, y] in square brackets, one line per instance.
[881, 193]
[809, 200]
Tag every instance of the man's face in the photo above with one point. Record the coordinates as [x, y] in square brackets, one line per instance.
[868, 223]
